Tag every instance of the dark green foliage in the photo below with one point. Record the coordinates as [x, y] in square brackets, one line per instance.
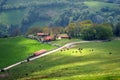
[31, 13]
[34, 30]
[88, 33]
[117, 29]
[3, 30]
[73, 30]
[99, 32]
[89, 30]
[14, 30]
[103, 32]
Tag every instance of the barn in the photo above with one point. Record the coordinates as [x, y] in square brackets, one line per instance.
[39, 52]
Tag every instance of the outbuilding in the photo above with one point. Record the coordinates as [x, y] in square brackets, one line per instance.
[60, 36]
[39, 52]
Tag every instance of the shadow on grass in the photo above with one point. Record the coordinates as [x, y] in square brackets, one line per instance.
[11, 51]
[16, 49]
[43, 64]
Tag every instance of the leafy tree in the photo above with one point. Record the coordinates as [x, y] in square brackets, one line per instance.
[117, 29]
[57, 30]
[88, 33]
[98, 31]
[47, 30]
[14, 30]
[34, 30]
[103, 31]
[73, 30]
[86, 23]
[3, 30]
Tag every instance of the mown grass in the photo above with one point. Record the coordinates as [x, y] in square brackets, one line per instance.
[16, 49]
[71, 64]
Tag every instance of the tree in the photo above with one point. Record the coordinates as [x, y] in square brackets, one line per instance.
[3, 30]
[103, 31]
[57, 30]
[73, 30]
[34, 30]
[117, 29]
[14, 30]
[47, 30]
[98, 31]
[88, 33]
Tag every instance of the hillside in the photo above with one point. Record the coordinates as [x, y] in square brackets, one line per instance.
[20, 15]
[97, 61]
[16, 49]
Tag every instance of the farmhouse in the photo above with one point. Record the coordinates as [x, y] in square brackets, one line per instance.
[47, 38]
[60, 36]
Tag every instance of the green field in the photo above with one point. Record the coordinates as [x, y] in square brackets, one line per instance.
[103, 63]
[97, 5]
[13, 50]
[64, 41]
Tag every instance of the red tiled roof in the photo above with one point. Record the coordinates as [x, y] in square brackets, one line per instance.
[39, 52]
[48, 38]
[41, 34]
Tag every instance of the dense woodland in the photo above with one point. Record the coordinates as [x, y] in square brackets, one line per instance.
[18, 16]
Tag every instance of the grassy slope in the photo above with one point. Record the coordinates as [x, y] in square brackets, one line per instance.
[88, 65]
[16, 49]
[97, 5]
[16, 16]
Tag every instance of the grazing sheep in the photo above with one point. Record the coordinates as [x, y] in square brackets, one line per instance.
[26, 74]
[67, 48]
[79, 48]
[110, 53]
[92, 50]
